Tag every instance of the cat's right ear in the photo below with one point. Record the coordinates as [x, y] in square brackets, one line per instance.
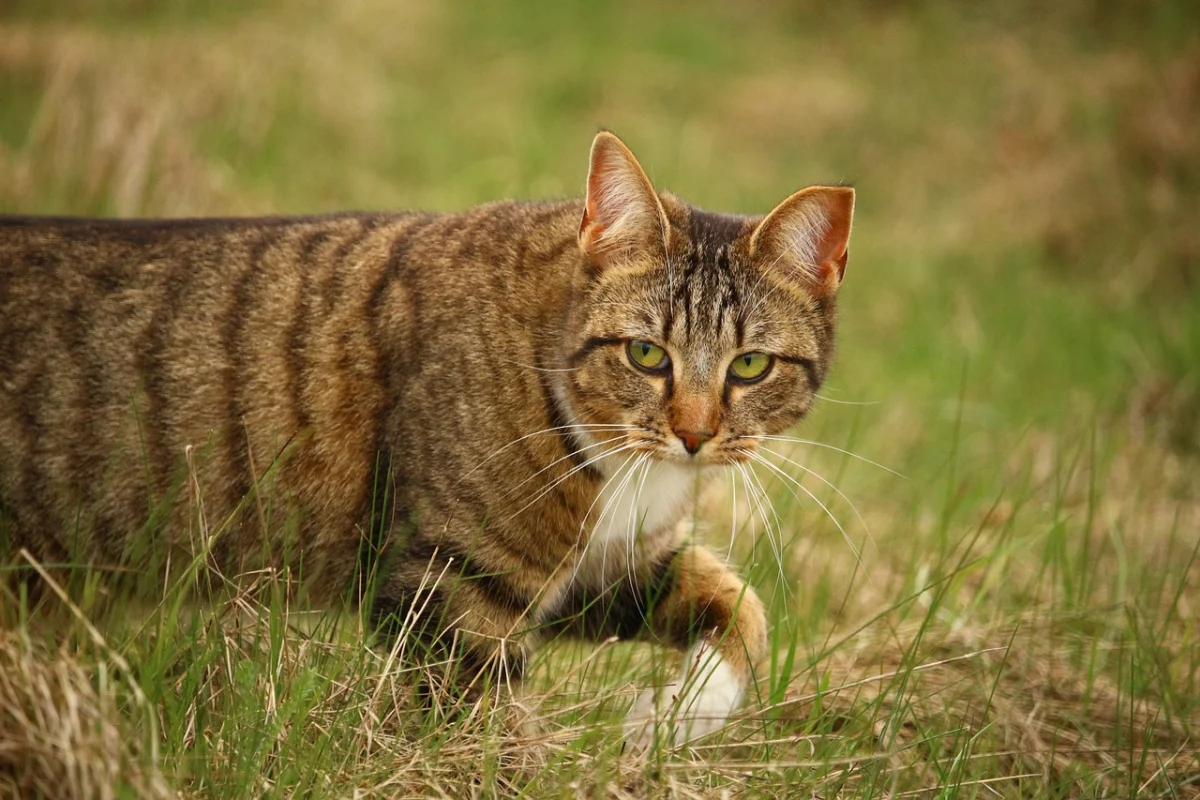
[622, 213]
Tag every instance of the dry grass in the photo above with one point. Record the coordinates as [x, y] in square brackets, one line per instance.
[62, 730]
[1046, 721]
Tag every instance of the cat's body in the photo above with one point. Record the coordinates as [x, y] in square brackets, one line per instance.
[452, 401]
[245, 338]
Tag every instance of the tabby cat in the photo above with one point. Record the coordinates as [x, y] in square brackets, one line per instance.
[504, 415]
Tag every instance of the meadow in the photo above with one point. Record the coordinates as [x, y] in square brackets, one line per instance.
[984, 577]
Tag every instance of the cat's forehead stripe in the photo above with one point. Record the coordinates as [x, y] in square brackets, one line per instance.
[706, 283]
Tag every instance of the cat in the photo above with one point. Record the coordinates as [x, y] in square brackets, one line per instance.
[504, 415]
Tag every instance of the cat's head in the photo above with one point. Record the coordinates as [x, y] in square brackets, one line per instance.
[699, 332]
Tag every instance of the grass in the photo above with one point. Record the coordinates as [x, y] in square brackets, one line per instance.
[1020, 339]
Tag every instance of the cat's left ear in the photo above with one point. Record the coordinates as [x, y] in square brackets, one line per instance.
[622, 213]
[808, 236]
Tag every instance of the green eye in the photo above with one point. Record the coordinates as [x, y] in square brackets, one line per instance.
[750, 366]
[648, 356]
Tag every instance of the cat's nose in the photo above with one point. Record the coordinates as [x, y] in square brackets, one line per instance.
[693, 439]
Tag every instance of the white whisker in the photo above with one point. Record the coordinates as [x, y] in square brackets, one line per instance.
[751, 498]
[763, 500]
[789, 479]
[814, 443]
[662, 226]
[614, 503]
[572, 471]
[559, 460]
[732, 513]
[584, 520]
[543, 431]
[828, 483]
[634, 526]
[539, 369]
[825, 399]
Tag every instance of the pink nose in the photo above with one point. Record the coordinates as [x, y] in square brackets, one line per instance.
[693, 439]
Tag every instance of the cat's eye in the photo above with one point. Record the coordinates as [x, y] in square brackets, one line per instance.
[648, 356]
[750, 367]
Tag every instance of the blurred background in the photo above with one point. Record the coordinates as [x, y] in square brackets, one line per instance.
[1026, 256]
[1020, 333]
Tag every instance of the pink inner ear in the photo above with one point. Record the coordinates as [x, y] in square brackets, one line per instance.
[597, 214]
[833, 250]
[621, 207]
[615, 189]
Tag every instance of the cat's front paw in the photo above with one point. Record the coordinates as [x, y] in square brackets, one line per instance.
[686, 709]
[650, 717]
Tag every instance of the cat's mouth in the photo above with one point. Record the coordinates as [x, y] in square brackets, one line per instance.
[719, 450]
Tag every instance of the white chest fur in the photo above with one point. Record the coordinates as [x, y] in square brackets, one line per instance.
[640, 501]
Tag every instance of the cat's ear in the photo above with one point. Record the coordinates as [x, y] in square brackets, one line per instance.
[622, 213]
[808, 236]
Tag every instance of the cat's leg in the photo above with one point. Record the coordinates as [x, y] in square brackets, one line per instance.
[459, 617]
[720, 623]
[691, 599]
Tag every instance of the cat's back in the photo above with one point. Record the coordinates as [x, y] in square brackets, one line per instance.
[47, 263]
[75, 291]
[118, 250]
[122, 342]
[125, 342]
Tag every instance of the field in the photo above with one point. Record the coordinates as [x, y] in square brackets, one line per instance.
[985, 581]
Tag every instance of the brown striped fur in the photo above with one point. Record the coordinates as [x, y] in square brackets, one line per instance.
[401, 386]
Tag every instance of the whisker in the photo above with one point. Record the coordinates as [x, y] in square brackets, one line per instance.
[617, 304]
[825, 399]
[543, 431]
[584, 519]
[732, 513]
[758, 494]
[789, 479]
[734, 529]
[559, 460]
[716, 588]
[662, 226]
[620, 491]
[828, 483]
[815, 443]
[763, 500]
[539, 369]
[634, 526]
[572, 471]
[752, 499]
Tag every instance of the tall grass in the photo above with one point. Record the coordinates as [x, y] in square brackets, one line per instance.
[1020, 341]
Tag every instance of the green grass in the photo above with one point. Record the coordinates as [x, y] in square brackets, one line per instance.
[1020, 338]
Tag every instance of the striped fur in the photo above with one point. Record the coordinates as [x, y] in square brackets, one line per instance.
[396, 393]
